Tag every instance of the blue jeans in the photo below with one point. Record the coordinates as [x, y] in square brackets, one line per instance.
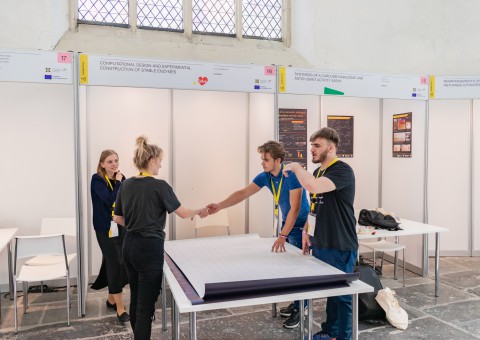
[143, 258]
[295, 239]
[339, 308]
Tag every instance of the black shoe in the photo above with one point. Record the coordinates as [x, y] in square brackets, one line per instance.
[322, 335]
[285, 312]
[293, 321]
[112, 306]
[124, 317]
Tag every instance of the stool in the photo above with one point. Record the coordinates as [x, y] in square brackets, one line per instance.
[385, 246]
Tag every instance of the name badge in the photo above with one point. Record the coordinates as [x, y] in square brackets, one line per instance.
[113, 232]
[312, 220]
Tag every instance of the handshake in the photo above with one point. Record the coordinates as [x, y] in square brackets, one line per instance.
[210, 209]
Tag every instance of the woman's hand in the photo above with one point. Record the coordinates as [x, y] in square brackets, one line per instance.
[118, 176]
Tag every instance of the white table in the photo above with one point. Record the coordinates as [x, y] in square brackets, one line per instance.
[413, 228]
[181, 304]
[6, 236]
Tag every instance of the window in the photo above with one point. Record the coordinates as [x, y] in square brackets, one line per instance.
[210, 16]
[259, 18]
[113, 12]
[162, 14]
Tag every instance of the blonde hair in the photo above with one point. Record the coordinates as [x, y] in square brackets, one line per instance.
[145, 152]
[103, 156]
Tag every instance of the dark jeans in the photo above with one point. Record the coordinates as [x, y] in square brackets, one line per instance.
[143, 258]
[339, 308]
[295, 239]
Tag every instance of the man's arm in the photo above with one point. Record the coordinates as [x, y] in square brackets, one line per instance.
[308, 181]
[295, 202]
[235, 198]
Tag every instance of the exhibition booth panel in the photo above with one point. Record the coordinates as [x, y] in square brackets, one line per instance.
[37, 144]
[454, 162]
[208, 119]
[389, 163]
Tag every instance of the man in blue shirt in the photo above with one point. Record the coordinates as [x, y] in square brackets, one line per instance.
[289, 197]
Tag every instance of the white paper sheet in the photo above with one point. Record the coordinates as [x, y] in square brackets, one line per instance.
[240, 258]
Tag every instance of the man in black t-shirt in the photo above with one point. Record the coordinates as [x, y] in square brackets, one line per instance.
[335, 239]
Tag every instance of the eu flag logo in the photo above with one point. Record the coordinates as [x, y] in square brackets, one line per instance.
[48, 76]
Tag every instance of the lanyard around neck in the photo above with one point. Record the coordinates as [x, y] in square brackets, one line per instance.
[144, 174]
[110, 183]
[320, 173]
[276, 195]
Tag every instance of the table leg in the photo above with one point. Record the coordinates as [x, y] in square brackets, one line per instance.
[274, 310]
[193, 326]
[355, 316]
[395, 261]
[175, 321]
[164, 304]
[10, 273]
[437, 262]
[310, 319]
[302, 319]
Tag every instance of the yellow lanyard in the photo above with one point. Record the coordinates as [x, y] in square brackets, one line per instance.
[320, 173]
[144, 173]
[111, 187]
[276, 195]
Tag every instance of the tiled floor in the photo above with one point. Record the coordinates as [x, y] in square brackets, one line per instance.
[453, 315]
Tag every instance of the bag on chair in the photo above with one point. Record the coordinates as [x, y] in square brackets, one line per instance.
[368, 307]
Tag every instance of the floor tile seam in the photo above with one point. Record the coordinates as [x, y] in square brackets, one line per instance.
[454, 326]
[462, 290]
[446, 304]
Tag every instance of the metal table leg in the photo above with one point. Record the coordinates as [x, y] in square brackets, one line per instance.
[310, 319]
[164, 304]
[193, 326]
[274, 310]
[437, 263]
[302, 319]
[395, 262]
[10, 273]
[355, 316]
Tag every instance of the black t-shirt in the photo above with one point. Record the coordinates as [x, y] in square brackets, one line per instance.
[144, 203]
[335, 222]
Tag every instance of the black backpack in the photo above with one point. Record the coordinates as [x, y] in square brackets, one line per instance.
[378, 220]
[368, 307]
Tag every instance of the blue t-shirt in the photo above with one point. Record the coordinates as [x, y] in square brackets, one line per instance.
[289, 183]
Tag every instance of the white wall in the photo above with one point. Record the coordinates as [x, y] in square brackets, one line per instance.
[366, 149]
[448, 173]
[115, 117]
[37, 177]
[403, 179]
[403, 37]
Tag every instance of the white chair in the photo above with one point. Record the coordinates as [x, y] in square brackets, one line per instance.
[219, 219]
[30, 246]
[49, 226]
[385, 246]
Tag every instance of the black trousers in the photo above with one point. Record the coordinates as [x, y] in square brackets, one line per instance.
[112, 272]
[143, 258]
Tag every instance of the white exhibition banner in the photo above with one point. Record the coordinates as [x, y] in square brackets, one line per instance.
[186, 75]
[306, 81]
[454, 87]
[36, 67]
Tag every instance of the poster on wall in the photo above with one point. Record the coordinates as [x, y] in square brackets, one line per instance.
[344, 127]
[402, 135]
[293, 134]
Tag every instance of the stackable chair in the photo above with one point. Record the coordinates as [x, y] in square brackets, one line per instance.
[55, 225]
[385, 246]
[41, 245]
[219, 219]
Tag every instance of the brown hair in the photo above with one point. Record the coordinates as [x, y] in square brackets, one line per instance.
[275, 149]
[326, 133]
[105, 153]
[145, 152]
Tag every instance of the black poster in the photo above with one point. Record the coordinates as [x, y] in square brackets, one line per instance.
[344, 127]
[402, 135]
[293, 134]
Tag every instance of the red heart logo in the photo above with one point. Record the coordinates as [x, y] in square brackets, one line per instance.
[202, 80]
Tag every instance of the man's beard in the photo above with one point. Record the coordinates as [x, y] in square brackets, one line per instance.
[321, 158]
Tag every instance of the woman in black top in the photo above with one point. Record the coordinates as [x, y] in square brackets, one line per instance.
[104, 188]
[142, 205]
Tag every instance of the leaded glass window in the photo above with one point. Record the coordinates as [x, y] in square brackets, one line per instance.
[262, 18]
[210, 16]
[162, 14]
[103, 11]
